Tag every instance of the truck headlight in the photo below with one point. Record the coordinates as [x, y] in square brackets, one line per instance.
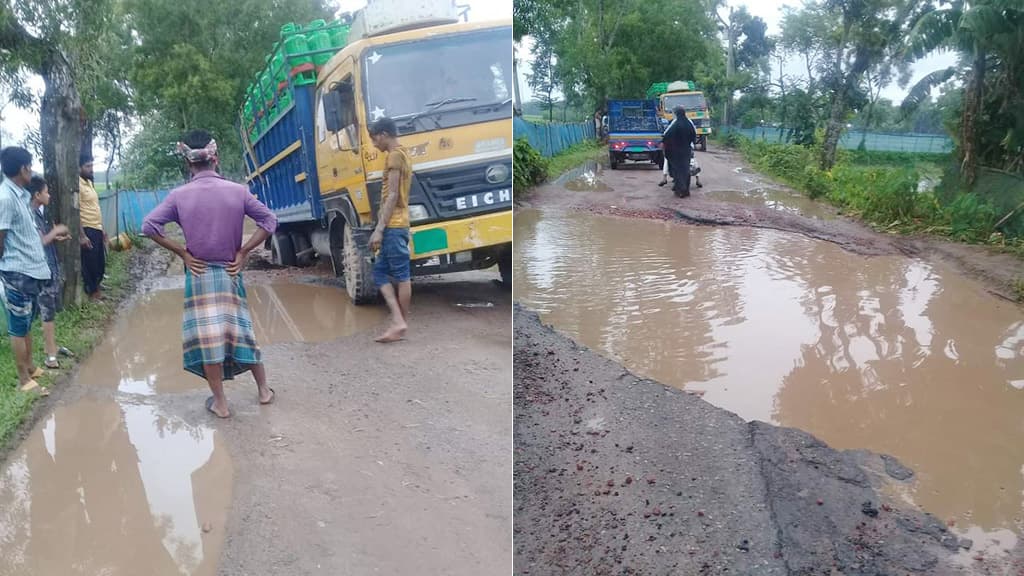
[418, 212]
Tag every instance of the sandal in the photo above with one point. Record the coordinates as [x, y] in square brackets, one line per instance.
[52, 363]
[65, 352]
[30, 385]
[39, 372]
[209, 407]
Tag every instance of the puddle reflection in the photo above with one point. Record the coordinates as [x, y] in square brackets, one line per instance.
[107, 488]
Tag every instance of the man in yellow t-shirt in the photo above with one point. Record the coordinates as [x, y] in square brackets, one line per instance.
[390, 240]
[94, 249]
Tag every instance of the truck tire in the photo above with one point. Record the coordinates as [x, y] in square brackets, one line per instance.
[613, 162]
[704, 144]
[505, 267]
[303, 249]
[282, 250]
[358, 272]
[659, 160]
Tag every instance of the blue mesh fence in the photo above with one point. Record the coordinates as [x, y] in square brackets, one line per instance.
[124, 210]
[851, 139]
[550, 139]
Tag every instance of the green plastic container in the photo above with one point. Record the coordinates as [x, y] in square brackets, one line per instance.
[296, 44]
[339, 35]
[316, 25]
[277, 70]
[320, 40]
[284, 100]
[289, 29]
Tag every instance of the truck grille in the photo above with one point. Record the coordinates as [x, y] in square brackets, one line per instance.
[465, 190]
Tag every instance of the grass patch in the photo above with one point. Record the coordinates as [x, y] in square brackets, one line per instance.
[896, 192]
[78, 328]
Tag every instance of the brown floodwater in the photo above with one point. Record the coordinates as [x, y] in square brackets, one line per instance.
[142, 355]
[103, 487]
[885, 353]
[779, 200]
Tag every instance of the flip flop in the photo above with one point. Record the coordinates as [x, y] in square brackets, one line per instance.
[30, 385]
[209, 407]
[52, 363]
[273, 396]
[39, 372]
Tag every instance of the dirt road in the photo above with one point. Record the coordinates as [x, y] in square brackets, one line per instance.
[734, 194]
[373, 460]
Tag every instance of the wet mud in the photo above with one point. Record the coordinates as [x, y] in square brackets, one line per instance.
[890, 354]
[114, 487]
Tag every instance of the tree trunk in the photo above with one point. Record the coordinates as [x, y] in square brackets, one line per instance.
[969, 119]
[833, 131]
[60, 130]
[88, 132]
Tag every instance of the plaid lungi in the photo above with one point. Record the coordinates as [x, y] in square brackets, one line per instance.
[217, 325]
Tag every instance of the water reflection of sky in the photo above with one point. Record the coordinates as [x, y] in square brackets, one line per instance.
[102, 487]
[886, 353]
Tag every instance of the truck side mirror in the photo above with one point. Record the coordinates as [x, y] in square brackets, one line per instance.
[332, 110]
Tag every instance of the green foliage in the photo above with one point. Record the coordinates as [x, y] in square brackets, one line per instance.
[609, 49]
[529, 168]
[884, 189]
[191, 64]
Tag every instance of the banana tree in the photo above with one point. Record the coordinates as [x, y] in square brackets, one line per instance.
[990, 36]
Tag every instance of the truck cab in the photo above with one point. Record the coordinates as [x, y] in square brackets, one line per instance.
[684, 93]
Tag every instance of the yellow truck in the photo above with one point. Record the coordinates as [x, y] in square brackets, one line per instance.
[683, 93]
[448, 86]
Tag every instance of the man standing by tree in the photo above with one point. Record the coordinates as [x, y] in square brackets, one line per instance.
[23, 266]
[391, 237]
[94, 248]
[218, 338]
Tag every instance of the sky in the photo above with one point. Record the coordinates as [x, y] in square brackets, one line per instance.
[17, 121]
[771, 12]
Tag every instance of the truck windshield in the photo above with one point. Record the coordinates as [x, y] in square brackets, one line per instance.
[440, 81]
[688, 101]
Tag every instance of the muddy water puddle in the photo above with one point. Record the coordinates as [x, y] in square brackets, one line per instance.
[102, 487]
[886, 353]
[780, 200]
[143, 353]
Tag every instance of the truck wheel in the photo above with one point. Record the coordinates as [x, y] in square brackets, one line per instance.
[505, 267]
[613, 163]
[704, 144]
[659, 160]
[282, 250]
[303, 249]
[358, 272]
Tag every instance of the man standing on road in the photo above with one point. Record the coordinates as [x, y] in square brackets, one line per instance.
[678, 143]
[390, 240]
[23, 266]
[218, 338]
[94, 248]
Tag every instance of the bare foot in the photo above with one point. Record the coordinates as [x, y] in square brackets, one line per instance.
[394, 334]
[267, 396]
[221, 410]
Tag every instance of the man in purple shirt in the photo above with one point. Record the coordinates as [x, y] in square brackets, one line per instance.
[218, 338]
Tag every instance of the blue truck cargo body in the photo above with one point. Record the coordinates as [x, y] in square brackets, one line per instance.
[283, 173]
[634, 132]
